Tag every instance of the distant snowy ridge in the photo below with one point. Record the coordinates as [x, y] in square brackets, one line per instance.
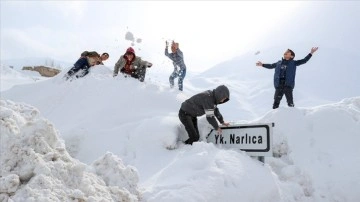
[35, 165]
[34, 61]
[11, 77]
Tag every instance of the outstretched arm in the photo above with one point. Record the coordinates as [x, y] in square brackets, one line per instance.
[144, 63]
[268, 66]
[307, 58]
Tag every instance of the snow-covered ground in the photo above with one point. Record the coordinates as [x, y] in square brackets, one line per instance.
[19, 63]
[315, 146]
[35, 165]
[10, 77]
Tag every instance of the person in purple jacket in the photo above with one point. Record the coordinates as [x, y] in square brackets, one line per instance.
[284, 76]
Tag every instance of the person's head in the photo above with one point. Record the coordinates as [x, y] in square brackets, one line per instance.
[289, 54]
[104, 56]
[174, 46]
[222, 94]
[130, 54]
[93, 57]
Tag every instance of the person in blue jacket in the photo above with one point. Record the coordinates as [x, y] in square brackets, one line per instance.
[284, 76]
[177, 58]
[82, 66]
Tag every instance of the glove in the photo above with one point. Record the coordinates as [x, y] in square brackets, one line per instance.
[148, 64]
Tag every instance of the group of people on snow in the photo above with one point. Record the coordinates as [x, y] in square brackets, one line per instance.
[202, 103]
[130, 65]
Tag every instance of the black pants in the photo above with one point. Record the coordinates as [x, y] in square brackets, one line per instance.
[191, 126]
[280, 91]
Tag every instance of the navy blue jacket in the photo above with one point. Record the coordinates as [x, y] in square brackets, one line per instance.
[290, 70]
[81, 64]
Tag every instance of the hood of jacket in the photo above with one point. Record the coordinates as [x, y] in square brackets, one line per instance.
[220, 93]
[130, 50]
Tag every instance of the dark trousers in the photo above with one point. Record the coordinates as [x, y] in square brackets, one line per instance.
[76, 71]
[191, 126]
[280, 91]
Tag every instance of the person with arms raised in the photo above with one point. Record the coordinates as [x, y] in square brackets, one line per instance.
[284, 76]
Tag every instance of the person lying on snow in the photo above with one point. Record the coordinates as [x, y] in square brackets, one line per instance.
[82, 66]
[284, 76]
[177, 57]
[130, 64]
[200, 104]
[102, 58]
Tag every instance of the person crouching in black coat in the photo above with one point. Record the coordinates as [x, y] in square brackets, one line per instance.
[200, 104]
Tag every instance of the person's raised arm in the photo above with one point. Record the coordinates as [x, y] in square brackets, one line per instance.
[166, 48]
[307, 58]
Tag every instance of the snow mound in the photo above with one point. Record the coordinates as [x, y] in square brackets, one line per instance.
[323, 142]
[35, 165]
[315, 149]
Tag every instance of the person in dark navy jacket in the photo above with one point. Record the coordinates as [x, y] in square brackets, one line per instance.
[82, 66]
[284, 76]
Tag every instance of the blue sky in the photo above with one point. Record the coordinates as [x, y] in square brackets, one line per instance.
[208, 32]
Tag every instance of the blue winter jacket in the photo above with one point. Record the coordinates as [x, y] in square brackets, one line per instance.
[177, 58]
[290, 70]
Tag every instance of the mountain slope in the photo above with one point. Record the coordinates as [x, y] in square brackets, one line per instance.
[136, 121]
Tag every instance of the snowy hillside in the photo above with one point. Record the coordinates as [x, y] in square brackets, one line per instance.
[18, 64]
[326, 78]
[10, 77]
[315, 148]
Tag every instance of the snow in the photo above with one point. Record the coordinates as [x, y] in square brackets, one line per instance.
[35, 165]
[11, 77]
[129, 36]
[120, 128]
[19, 63]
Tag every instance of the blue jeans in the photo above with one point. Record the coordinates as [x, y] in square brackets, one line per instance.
[181, 74]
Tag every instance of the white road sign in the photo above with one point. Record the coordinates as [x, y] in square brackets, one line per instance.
[255, 139]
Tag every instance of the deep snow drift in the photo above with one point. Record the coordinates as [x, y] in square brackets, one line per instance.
[315, 148]
[35, 165]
